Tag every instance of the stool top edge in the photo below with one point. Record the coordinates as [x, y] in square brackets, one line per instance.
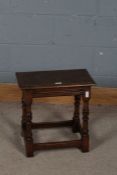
[54, 79]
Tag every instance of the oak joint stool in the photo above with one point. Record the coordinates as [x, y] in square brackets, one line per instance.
[77, 83]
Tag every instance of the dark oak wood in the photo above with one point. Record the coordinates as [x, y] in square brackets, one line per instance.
[53, 79]
[27, 123]
[56, 145]
[52, 124]
[76, 119]
[75, 83]
[85, 131]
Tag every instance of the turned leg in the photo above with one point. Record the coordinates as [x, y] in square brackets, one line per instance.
[27, 124]
[23, 121]
[76, 127]
[84, 133]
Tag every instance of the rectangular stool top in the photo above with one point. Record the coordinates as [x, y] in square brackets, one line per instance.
[54, 78]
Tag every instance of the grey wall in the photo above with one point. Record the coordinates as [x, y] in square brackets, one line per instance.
[59, 34]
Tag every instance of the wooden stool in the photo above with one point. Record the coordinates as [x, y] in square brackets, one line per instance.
[75, 83]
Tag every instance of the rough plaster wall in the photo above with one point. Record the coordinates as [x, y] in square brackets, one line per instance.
[59, 34]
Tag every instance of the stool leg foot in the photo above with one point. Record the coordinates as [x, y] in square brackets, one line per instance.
[29, 149]
[85, 145]
[76, 127]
